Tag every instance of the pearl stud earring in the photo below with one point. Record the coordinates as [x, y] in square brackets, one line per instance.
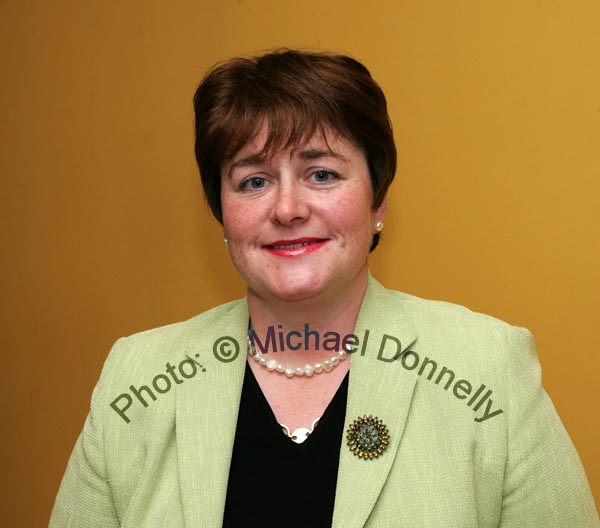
[379, 227]
[225, 240]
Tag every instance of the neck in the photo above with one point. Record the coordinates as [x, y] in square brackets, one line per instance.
[334, 311]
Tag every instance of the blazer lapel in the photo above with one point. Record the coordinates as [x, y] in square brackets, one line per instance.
[378, 388]
[206, 417]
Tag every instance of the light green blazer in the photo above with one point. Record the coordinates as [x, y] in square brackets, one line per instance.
[474, 439]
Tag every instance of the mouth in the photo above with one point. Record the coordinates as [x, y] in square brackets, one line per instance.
[296, 247]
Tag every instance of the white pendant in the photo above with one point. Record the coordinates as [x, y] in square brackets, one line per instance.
[300, 434]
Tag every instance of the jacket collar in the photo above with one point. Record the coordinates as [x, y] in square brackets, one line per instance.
[206, 415]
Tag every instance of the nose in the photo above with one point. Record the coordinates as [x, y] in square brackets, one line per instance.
[291, 203]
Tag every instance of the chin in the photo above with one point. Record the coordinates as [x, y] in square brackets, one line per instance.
[295, 290]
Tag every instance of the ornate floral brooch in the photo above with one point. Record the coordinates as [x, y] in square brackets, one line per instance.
[368, 437]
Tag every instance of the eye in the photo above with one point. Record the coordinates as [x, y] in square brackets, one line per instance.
[324, 176]
[254, 183]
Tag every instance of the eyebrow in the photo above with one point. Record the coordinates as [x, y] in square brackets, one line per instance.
[254, 159]
[312, 154]
[309, 154]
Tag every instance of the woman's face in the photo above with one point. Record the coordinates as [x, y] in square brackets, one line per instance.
[300, 223]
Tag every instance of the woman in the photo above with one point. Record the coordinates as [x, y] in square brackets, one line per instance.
[354, 405]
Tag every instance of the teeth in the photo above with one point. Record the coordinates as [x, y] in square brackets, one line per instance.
[293, 246]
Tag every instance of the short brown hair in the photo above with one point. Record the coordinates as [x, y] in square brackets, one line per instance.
[295, 93]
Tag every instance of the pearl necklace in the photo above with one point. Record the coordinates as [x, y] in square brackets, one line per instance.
[272, 365]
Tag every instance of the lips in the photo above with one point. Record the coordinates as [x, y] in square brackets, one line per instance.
[295, 247]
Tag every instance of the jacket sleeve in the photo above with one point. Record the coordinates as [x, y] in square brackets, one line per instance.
[545, 484]
[84, 498]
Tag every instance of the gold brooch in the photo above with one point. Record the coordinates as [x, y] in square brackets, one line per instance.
[368, 437]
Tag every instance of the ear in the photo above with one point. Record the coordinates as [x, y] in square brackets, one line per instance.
[381, 210]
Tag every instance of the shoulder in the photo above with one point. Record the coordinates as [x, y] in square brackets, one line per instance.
[138, 359]
[457, 335]
[429, 315]
[466, 354]
[173, 330]
[168, 340]
[145, 366]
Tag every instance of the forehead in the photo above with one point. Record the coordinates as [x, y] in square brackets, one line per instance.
[322, 142]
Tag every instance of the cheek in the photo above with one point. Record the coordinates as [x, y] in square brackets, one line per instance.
[354, 225]
[355, 215]
[238, 219]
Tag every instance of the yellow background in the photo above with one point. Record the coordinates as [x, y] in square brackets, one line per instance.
[496, 109]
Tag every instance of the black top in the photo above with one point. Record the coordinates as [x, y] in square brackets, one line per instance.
[273, 480]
